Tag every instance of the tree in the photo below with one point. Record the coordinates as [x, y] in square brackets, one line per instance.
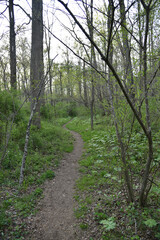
[37, 67]
[23, 65]
[145, 125]
[12, 46]
[89, 15]
[126, 50]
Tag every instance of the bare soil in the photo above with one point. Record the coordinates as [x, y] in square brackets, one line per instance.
[55, 219]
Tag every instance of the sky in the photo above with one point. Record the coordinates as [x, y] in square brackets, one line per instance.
[52, 13]
[55, 14]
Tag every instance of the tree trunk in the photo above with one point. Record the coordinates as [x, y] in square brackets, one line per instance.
[48, 46]
[28, 134]
[143, 191]
[85, 86]
[140, 47]
[126, 50]
[12, 46]
[93, 61]
[61, 85]
[78, 76]
[121, 145]
[37, 68]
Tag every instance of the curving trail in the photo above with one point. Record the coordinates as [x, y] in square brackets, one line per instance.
[55, 220]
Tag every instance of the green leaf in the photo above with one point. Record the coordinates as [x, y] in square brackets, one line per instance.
[108, 224]
[150, 223]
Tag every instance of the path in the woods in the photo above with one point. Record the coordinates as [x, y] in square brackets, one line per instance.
[55, 220]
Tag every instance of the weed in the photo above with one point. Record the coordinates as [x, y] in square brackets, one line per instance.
[49, 174]
[81, 210]
[150, 223]
[100, 216]
[83, 226]
[38, 192]
[108, 224]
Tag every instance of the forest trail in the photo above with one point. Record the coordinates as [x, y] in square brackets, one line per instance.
[55, 220]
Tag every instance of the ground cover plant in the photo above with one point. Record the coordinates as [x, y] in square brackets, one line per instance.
[103, 211]
[46, 148]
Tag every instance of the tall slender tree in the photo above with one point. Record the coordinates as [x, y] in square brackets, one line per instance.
[37, 67]
[12, 46]
[89, 15]
[146, 175]
[126, 50]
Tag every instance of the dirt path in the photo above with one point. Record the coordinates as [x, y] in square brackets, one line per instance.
[55, 220]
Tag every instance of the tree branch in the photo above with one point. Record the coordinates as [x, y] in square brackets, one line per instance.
[111, 68]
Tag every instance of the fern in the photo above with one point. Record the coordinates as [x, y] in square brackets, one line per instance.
[108, 224]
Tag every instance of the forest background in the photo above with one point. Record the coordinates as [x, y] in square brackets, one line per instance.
[106, 75]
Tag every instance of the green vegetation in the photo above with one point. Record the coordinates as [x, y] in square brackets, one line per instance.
[112, 88]
[100, 193]
[46, 148]
[101, 182]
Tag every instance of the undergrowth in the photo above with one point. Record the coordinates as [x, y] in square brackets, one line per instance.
[101, 193]
[46, 148]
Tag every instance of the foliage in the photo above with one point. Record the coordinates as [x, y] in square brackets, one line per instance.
[63, 109]
[8, 104]
[108, 224]
[46, 147]
[101, 176]
[150, 223]
[47, 112]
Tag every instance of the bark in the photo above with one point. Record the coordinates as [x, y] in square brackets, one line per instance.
[126, 50]
[48, 46]
[79, 79]
[140, 40]
[93, 59]
[68, 77]
[85, 86]
[61, 85]
[36, 72]
[143, 190]
[110, 88]
[12, 46]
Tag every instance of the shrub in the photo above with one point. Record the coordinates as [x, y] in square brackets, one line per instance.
[47, 111]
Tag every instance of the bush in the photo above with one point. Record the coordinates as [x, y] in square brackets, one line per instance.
[13, 157]
[10, 104]
[7, 104]
[64, 109]
[47, 111]
[83, 111]
[71, 109]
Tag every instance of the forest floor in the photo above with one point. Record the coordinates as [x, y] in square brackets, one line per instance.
[55, 217]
